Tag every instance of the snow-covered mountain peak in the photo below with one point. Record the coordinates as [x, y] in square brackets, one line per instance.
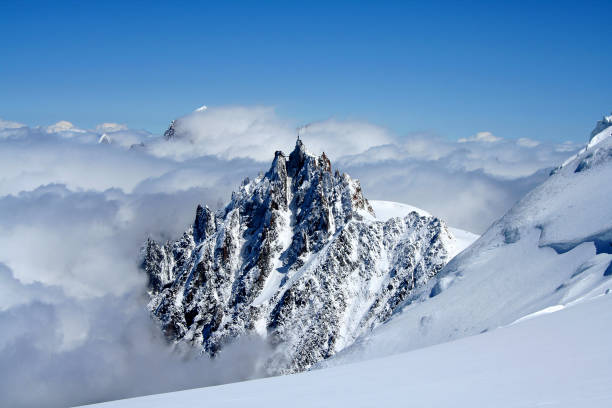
[602, 131]
[104, 138]
[304, 183]
[596, 151]
[297, 257]
[601, 125]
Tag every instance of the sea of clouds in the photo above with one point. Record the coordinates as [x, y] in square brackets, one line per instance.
[77, 204]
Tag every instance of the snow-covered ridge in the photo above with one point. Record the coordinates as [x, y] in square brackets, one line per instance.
[599, 145]
[601, 125]
[297, 257]
[386, 210]
[551, 250]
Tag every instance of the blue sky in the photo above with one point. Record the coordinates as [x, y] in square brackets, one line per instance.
[520, 69]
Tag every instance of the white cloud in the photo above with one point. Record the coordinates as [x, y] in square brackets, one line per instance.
[228, 133]
[63, 126]
[340, 138]
[257, 132]
[566, 147]
[7, 124]
[72, 310]
[110, 127]
[71, 352]
[73, 215]
[485, 137]
[467, 184]
[14, 292]
[12, 130]
[526, 142]
[36, 159]
[127, 138]
[207, 142]
[507, 158]
[117, 134]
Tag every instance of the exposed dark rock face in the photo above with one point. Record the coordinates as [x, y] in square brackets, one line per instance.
[297, 257]
[171, 131]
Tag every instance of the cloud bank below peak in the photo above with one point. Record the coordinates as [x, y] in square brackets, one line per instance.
[74, 213]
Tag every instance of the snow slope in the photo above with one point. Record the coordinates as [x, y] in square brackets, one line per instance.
[386, 210]
[552, 249]
[567, 353]
[390, 209]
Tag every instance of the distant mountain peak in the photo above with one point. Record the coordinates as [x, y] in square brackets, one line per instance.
[597, 151]
[601, 125]
[104, 139]
[170, 133]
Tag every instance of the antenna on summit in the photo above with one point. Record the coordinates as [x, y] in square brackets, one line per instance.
[300, 129]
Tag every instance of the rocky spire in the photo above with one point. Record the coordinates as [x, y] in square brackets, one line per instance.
[296, 256]
[171, 131]
[296, 158]
[204, 223]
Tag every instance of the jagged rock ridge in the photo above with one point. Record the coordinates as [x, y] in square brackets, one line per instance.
[298, 257]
